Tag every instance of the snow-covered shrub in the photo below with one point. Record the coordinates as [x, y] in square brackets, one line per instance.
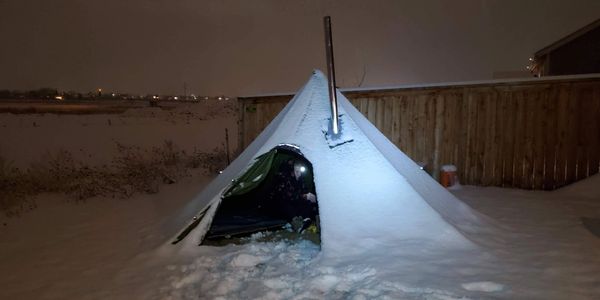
[144, 171]
[14, 194]
[212, 162]
[54, 172]
[133, 170]
[171, 162]
[91, 182]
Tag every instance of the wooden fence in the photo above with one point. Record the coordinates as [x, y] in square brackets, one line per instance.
[536, 134]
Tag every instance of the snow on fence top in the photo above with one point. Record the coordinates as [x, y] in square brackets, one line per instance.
[443, 84]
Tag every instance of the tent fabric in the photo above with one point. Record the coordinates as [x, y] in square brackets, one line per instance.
[253, 176]
[370, 192]
[260, 171]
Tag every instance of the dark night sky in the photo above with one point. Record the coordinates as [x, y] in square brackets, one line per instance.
[239, 47]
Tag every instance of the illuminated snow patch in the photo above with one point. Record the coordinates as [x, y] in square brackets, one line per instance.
[483, 286]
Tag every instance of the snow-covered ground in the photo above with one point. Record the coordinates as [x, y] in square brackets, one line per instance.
[115, 248]
[109, 249]
[93, 137]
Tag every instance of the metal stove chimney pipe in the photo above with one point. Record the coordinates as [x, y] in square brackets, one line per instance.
[331, 75]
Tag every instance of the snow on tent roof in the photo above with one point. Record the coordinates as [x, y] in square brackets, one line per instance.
[370, 193]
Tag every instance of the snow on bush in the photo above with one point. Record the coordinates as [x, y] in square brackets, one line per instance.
[13, 188]
[133, 170]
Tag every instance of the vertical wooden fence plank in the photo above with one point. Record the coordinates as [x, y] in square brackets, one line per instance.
[530, 99]
[420, 138]
[550, 133]
[252, 121]
[509, 138]
[489, 146]
[446, 106]
[405, 115]
[562, 135]
[364, 106]
[539, 136]
[438, 128]
[412, 115]
[355, 102]
[594, 152]
[430, 117]
[396, 102]
[465, 132]
[572, 139]
[583, 130]
[241, 130]
[498, 137]
[521, 110]
[388, 113]
[372, 111]
[479, 137]
[471, 153]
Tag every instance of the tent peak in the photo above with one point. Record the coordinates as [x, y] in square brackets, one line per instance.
[319, 74]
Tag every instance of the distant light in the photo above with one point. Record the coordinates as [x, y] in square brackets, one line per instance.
[113, 94]
[530, 59]
[528, 67]
[220, 98]
[302, 169]
[176, 98]
[59, 98]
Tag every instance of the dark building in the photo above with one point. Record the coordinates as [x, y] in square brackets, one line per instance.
[577, 53]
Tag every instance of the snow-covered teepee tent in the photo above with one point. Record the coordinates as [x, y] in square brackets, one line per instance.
[369, 192]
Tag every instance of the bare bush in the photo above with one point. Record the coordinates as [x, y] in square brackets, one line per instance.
[53, 173]
[133, 170]
[212, 162]
[14, 192]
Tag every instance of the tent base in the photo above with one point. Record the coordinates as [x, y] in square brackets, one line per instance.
[240, 226]
[269, 235]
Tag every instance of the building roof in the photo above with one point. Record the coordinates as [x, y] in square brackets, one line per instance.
[568, 38]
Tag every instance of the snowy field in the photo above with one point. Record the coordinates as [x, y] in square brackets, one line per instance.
[91, 135]
[106, 248]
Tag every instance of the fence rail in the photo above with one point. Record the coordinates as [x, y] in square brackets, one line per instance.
[540, 134]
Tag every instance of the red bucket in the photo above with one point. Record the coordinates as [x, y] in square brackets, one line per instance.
[448, 176]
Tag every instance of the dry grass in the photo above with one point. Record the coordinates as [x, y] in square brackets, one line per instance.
[133, 171]
[14, 195]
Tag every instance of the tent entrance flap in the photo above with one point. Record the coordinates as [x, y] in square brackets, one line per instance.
[253, 202]
[253, 177]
